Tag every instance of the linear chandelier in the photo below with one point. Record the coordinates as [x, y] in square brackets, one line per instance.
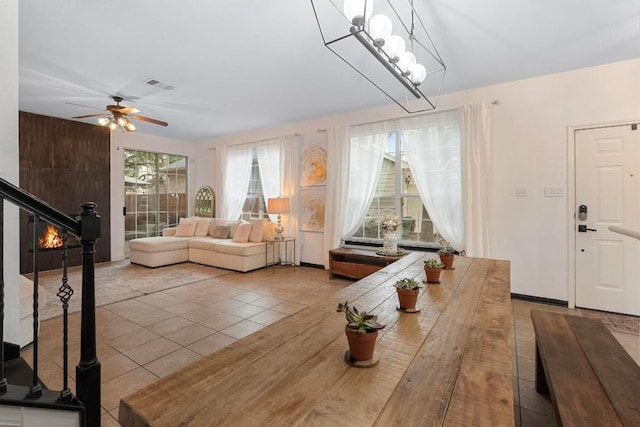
[118, 120]
[387, 43]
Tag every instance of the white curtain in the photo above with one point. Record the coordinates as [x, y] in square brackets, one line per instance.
[236, 180]
[219, 171]
[365, 163]
[268, 153]
[338, 152]
[475, 127]
[433, 154]
[289, 161]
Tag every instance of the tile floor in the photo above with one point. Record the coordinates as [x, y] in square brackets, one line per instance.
[146, 338]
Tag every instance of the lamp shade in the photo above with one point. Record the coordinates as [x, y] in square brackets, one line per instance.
[278, 205]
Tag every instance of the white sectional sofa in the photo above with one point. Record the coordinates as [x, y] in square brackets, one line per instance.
[234, 245]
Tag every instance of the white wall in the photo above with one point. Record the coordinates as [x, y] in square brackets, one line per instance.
[9, 162]
[138, 141]
[530, 150]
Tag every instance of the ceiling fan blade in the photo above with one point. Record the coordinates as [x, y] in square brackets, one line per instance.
[82, 105]
[147, 119]
[88, 115]
[128, 110]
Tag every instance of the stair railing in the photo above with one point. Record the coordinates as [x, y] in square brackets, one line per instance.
[86, 227]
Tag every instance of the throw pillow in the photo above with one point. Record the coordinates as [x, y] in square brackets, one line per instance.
[212, 225]
[269, 230]
[242, 233]
[185, 229]
[257, 229]
[221, 232]
[233, 227]
[202, 227]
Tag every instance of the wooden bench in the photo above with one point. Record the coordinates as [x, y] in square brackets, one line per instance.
[591, 379]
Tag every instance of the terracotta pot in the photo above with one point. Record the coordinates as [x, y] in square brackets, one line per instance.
[433, 274]
[361, 346]
[407, 298]
[447, 260]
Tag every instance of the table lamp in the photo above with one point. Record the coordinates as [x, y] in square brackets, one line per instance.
[279, 206]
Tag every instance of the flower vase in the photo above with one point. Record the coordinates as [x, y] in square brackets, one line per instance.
[390, 243]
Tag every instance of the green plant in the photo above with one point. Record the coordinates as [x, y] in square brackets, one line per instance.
[433, 263]
[446, 249]
[407, 284]
[361, 321]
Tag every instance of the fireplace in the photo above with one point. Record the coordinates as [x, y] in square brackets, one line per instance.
[49, 237]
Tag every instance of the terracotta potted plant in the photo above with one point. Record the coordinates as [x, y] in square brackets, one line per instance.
[408, 290]
[432, 269]
[446, 255]
[361, 331]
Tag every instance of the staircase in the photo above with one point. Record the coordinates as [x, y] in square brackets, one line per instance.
[24, 401]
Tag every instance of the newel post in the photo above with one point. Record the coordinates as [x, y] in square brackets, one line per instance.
[88, 370]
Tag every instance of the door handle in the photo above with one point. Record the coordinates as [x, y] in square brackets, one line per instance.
[583, 229]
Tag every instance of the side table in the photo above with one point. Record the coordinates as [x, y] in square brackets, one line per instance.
[284, 260]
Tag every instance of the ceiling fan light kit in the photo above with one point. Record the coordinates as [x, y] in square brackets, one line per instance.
[118, 117]
[387, 43]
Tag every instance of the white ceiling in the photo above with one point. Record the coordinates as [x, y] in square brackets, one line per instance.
[244, 65]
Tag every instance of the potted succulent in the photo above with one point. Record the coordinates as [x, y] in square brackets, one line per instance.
[432, 269]
[446, 255]
[361, 331]
[408, 290]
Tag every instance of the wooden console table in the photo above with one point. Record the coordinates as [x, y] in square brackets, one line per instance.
[447, 365]
[357, 263]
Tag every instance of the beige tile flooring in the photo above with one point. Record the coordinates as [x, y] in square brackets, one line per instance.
[146, 338]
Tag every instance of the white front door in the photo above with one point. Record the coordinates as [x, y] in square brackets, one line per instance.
[607, 186]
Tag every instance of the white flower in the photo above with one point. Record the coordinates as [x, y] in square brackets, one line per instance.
[389, 222]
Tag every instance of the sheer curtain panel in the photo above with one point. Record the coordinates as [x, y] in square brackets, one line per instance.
[476, 142]
[268, 153]
[365, 163]
[433, 154]
[336, 189]
[236, 180]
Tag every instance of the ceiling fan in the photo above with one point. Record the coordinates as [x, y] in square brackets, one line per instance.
[119, 115]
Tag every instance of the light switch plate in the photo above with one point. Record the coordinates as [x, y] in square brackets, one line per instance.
[552, 191]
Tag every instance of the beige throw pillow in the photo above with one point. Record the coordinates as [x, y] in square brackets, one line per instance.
[242, 233]
[212, 225]
[233, 227]
[269, 230]
[221, 232]
[185, 229]
[202, 227]
[257, 229]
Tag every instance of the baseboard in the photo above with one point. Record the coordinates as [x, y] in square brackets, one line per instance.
[540, 300]
[11, 351]
[308, 264]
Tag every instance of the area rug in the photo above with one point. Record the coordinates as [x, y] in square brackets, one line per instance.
[121, 281]
[621, 323]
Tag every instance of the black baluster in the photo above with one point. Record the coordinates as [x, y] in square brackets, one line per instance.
[88, 370]
[3, 381]
[64, 293]
[36, 389]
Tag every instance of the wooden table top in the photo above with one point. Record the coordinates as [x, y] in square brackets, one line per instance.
[449, 364]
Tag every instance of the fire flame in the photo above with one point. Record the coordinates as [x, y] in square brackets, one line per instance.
[51, 238]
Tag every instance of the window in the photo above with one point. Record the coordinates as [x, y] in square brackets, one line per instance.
[254, 205]
[155, 192]
[397, 194]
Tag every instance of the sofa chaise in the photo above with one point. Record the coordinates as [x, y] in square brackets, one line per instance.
[233, 245]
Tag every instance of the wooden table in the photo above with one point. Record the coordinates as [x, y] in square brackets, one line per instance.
[449, 364]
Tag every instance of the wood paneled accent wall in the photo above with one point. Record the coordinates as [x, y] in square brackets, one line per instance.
[64, 163]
